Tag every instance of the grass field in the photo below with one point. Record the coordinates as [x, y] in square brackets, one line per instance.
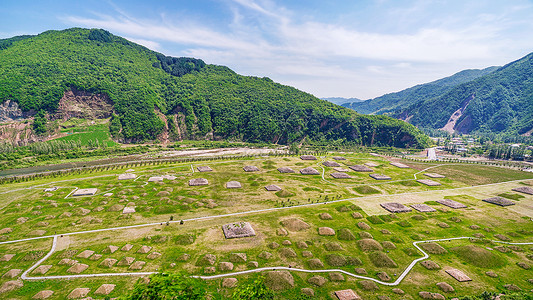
[384, 244]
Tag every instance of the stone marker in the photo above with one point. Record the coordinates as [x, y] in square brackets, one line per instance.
[85, 192]
[399, 165]
[233, 185]
[395, 207]
[339, 175]
[326, 231]
[344, 170]
[451, 203]
[499, 201]
[78, 268]
[144, 249]
[250, 169]
[204, 169]
[272, 188]
[286, 170]
[155, 179]
[43, 294]
[138, 265]
[153, 255]
[78, 293]
[348, 294]
[51, 189]
[423, 208]
[198, 182]
[331, 164]
[126, 261]
[229, 283]
[361, 168]
[128, 210]
[105, 289]
[110, 249]
[169, 177]
[238, 230]
[309, 171]
[434, 175]
[6, 230]
[11, 285]
[307, 157]
[126, 176]
[7, 257]
[338, 158]
[380, 177]
[108, 194]
[428, 182]
[458, 275]
[85, 254]
[12, 273]
[42, 269]
[524, 189]
[126, 247]
[108, 262]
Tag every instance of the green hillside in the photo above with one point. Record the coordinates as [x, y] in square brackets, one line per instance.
[501, 101]
[392, 102]
[182, 97]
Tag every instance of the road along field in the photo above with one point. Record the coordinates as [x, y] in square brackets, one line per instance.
[86, 230]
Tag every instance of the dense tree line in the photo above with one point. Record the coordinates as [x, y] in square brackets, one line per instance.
[212, 101]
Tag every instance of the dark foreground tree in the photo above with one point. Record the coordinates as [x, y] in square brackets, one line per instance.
[179, 286]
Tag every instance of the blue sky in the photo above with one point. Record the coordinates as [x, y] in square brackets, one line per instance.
[350, 48]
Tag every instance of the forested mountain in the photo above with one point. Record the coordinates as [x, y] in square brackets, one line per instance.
[153, 96]
[501, 101]
[392, 102]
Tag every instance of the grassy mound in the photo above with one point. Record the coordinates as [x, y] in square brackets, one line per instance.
[388, 245]
[411, 251]
[368, 285]
[511, 196]
[184, 239]
[479, 257]
[336, 260]
[284, 194]
[345, 234]
[369, 245]
[366, 190]
[382, 260]
[375, 220]
[433, 248]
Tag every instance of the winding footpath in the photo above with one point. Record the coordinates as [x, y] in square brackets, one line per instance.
[25, 276]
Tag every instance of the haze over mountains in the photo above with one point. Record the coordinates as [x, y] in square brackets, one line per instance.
[91, 73]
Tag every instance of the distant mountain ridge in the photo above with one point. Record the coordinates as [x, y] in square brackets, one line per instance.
[392, 102]
[341, 100]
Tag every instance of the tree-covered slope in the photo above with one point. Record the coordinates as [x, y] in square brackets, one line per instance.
[180, 97]
[400, 100]
[501, 101]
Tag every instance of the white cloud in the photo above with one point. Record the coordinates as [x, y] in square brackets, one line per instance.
[266, 39]
[147, 43]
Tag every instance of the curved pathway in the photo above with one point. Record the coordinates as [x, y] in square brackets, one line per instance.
[25, 276]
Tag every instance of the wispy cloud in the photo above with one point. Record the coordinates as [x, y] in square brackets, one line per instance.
[265, 38]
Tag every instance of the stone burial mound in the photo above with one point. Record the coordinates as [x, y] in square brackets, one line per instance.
[238, 230]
